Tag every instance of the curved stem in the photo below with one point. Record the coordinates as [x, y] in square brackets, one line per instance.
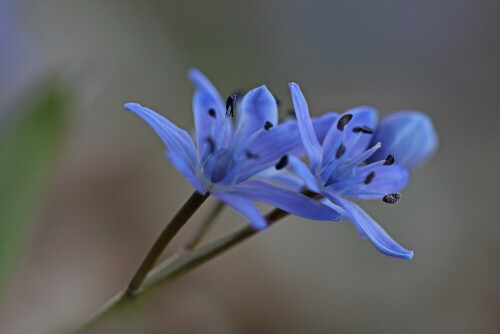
[180, 218]
[177, 265]
[174, 267]
[203, 229]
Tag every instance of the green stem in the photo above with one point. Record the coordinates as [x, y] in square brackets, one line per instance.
[203, 229]
[174, 267]
[177, 222]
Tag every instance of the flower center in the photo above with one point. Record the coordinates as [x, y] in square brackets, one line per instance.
[341, 171]
[221, 164]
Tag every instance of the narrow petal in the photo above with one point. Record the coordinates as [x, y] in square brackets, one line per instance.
[306, 130]
[185, 170]
[287, 200]
[408, 135]
[245, 207]
[271, 145]
[174, 138]
[258, 107]
[206, 98]
[302, 171]
[387, 180]
[344, 216]
[368, 227]
[280, 178]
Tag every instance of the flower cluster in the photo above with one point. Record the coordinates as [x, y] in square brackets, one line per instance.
[257, 159]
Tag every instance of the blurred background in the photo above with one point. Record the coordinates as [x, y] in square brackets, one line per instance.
[84, 187]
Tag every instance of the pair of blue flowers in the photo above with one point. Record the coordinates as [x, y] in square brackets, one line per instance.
[257, 159]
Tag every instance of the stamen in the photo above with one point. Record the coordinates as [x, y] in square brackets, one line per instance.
[241, 147]
[251, 155]
[212, 114]
[210, 142]
[392, 198]
[343, 121]
[230, 101]
[291, 113]
[282, 163]
[346, 168]
[268, 125]
[363, 129]
[340, 151]
[369, 178]
[389, 160]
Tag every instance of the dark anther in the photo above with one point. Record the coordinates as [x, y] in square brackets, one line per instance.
[251, 155]
[211, 112]
[369, 178]
[392, 198]
[268, 125]
[340, 151]
[389, 160]
[343, 121]
[230, 101]
[282, 163]
[363, 129]
[210, 142]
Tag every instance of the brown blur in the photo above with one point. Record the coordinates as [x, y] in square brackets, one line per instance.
[111, 190]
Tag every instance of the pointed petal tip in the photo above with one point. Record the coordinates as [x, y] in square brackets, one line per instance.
[262, 89]
[399, 255]
[259, 226]
[193, 71]
[131, 106]
[200, 80]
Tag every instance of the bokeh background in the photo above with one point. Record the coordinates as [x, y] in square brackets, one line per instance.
[85, 188]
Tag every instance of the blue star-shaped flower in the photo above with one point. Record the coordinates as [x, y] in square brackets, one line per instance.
[228, 162]
[349, 162]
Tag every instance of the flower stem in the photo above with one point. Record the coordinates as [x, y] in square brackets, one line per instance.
[203, 229]
[174, 267]
[177, 222]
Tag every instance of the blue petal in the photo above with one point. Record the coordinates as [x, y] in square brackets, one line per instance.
[206, 97]
[185, 170]
[271, 145]
[258, 107]
[355, 143]
[280, 178]
[368, 227]
[174, 138]
[324, 123]
[408, 135]
[309, 140]
[245, 207]
[344, 216]
[302, 171]
[387, 180]
[287, 200]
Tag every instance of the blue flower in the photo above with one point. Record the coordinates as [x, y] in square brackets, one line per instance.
[228, 158]
[341, 167]
[408, 135]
